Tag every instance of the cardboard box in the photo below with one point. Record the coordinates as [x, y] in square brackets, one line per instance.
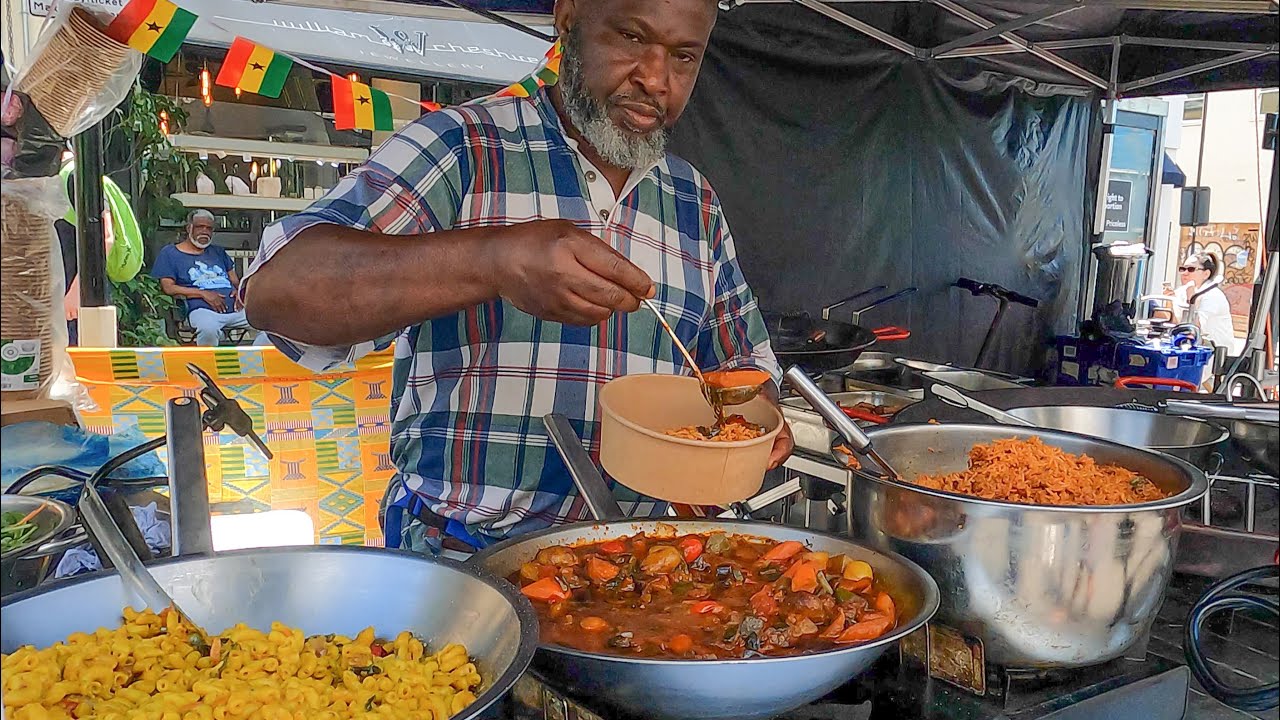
[58, 412]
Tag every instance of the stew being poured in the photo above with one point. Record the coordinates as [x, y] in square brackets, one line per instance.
[706, 596]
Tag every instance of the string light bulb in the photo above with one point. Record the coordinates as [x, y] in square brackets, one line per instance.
[164, 122]
[206, 87]
[237, 93]
[354, 77]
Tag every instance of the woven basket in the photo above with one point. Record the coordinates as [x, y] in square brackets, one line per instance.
[71, 70]
[26, 283]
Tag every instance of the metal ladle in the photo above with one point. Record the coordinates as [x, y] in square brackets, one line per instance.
[135, 575]
[717, 397]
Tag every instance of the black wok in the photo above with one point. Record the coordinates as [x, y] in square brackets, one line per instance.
[742, 689]
[816, 345]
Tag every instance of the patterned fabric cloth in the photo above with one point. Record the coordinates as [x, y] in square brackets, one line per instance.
[470, 389]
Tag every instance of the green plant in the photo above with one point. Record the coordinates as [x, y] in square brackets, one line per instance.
[157, 171]
[141, 320]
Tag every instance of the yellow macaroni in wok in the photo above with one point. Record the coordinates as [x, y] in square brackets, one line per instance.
[156, 667]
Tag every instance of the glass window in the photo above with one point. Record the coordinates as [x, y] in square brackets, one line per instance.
[1194, 109]
[1268, 101]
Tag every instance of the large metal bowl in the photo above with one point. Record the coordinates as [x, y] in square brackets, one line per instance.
[320, 589]
[742, 689]
[1188, 438]
[1039, 586]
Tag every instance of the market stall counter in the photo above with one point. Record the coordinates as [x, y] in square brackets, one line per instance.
[329, 432]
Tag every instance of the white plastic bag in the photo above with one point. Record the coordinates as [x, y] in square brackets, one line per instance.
[33, 324]
[75, 75]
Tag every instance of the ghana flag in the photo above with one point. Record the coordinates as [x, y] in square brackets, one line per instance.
[254, 68]
[358, 106]
[155, 27]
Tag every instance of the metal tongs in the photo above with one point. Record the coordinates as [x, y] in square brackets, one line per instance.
[844, 425]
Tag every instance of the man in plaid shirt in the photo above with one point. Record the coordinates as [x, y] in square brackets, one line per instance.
[514, 239]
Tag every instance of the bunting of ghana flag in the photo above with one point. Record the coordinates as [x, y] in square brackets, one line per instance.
[546, 75]
[155, 27]
[358, 106]
[254, 68]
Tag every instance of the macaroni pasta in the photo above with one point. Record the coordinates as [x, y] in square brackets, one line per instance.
[156, 667]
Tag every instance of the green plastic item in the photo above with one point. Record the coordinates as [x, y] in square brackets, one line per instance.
[125, 259]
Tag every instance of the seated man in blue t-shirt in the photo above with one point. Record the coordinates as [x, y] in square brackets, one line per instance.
[202, 274]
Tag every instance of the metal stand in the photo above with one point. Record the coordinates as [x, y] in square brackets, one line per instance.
[188, 484]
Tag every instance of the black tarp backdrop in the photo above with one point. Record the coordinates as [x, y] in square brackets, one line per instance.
[842, 166]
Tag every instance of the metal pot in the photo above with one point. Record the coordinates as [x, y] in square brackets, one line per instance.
[320, 589]
[744, 689]
[1187, 438]
[811, 433]
[1038, 586]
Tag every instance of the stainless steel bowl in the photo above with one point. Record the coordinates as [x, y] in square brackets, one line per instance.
[1187, 438]
[1039, 586]
[319, 589]
[25, 566]
[739, 689]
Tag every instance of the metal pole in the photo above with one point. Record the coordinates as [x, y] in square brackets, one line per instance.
[91, 247]
[1017, 23]
[962, 12]
[188, 486]
[862, 27]
[1193, 69]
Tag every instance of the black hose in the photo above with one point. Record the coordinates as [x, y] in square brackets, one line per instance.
[78, 476]
[98, 476]
[1221, 597]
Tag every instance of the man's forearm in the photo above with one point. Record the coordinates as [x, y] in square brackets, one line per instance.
[338, 286]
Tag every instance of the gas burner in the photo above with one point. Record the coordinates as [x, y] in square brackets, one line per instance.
[1149, 689]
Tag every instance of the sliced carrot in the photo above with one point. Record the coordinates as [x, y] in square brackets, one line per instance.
[855, 586]
[885, 605]
[782, 551]
[835, 628]
[805, 578]
[601, 571]
[706, 606]
[680, 644]
[546, 590]
[690, 548]
[613, 547]
[865, 630]
[215, 650]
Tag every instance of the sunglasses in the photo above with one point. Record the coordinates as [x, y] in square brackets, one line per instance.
[1189, 268]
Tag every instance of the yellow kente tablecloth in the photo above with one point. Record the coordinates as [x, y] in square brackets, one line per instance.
[329, 432]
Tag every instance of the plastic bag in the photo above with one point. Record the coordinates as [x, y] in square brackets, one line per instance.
[28, 146]
[33, 323]
[75, 75]
[28, 445]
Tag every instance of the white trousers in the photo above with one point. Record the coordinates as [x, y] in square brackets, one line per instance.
[209, 326]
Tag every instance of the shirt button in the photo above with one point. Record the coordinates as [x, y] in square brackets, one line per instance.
[604, 214]
[591, 176]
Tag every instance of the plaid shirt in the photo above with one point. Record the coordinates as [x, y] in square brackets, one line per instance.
[470, 389]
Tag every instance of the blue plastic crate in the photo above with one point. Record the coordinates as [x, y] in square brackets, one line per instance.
[1162, 360]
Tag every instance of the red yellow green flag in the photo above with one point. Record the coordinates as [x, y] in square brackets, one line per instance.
[254, 68]
[358, 106]
[547, 74]
[155, 27]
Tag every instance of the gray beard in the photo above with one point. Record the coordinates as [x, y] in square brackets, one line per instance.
[590, 117]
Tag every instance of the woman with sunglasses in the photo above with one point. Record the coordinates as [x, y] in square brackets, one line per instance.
[1200, 300]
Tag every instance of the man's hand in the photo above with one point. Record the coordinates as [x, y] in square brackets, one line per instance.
[553, 270]
[783, 444]
[216, 301]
